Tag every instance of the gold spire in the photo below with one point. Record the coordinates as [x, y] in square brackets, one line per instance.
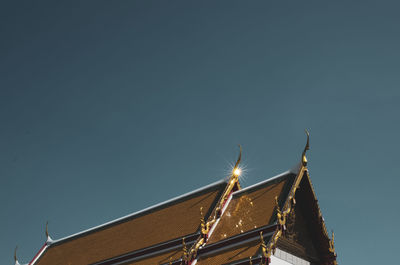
[307, 147]
[236, 171]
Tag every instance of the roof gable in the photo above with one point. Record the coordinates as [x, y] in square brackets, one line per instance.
[309, 225]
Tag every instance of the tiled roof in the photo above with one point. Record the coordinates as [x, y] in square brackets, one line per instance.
[235, 221]
[163, 258]
[168, 221]
[230, 255]
[252, 208]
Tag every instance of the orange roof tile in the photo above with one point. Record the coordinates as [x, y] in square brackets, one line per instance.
[175, 219]
[252, 208]
[232, 254]
[159, 259]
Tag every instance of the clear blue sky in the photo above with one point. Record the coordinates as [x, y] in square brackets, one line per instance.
[107, 107]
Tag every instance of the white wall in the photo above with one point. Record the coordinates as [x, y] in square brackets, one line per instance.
[283, 258]
[277, 261]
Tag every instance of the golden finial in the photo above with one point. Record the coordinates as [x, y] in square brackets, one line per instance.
[307, 147]
[170, 260]
[332, 243]
[15, 254]
[236, 170]
[263, 246]
[184, 249]
[250, 260]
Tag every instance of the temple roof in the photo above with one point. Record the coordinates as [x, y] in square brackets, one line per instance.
[231, 255]
[217, 224]
[170, 220]
[252, 207]
[163, 258]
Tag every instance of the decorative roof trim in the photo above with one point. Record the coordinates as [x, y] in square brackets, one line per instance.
[218, 209]
[237, 240]
[39, 254]
[236, 244]
[222, 213]
[149, 251]
[141, 211]
[281, 215]
[324, 229]
[287, 208]
[262, 182]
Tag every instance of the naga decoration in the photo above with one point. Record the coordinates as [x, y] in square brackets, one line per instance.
[263, 246]
[332, 243]
[234, 179]
[281, 216]
[332, 247]
[185, 252]
[206, 226]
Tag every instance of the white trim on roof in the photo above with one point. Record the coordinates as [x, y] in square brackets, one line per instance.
[39, 254]
[262, 182]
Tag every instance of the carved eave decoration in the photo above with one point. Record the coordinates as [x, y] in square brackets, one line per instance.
[233, 184]
[332, 247]
[287, 211]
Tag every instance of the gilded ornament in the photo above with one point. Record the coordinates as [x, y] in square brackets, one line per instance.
[307, 147]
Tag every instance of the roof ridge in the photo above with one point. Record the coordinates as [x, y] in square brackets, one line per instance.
[131, 215]
[263, 182]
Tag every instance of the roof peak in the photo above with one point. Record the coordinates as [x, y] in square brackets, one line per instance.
[288, 172]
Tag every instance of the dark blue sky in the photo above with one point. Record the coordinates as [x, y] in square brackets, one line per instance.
[108, 107]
